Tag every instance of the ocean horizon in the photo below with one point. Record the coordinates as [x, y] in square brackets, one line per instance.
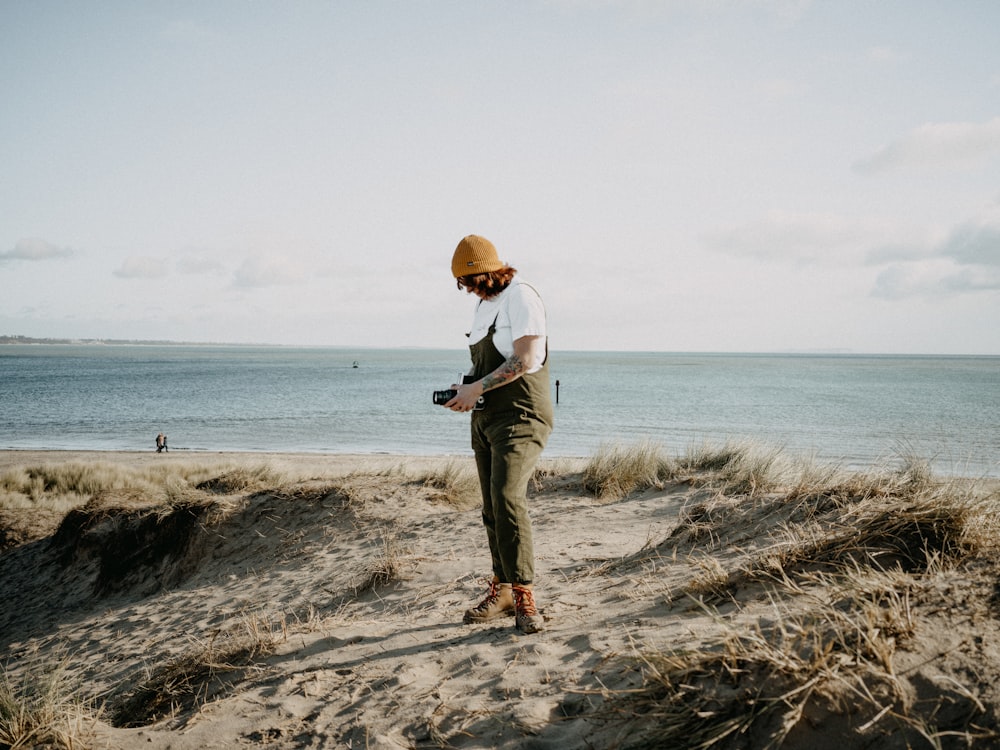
[855, 410]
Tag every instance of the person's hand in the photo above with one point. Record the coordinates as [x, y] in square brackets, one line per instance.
[468, 396]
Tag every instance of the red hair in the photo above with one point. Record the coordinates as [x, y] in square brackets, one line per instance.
[487, 285]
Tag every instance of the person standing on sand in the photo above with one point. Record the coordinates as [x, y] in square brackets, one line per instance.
[161, 442]
[507, 391]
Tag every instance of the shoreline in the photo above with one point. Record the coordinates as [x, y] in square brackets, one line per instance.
[337, 462]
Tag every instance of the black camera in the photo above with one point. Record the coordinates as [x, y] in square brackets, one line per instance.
[443, 397]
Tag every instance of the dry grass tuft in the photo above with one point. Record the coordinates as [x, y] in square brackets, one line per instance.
[64, 486]
[798, 682]
[458, 484]
[44, 709]
[207, 672]
[242, 479]
[707, 458]
[839, 558]
[617, 471]
[759, 685]
[750, 469]
[910, 530]
[753, 471]
[553, 474]
[385, 567]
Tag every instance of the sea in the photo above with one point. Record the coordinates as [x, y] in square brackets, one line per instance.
[855, 411]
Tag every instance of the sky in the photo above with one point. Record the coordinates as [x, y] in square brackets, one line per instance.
[672, 175]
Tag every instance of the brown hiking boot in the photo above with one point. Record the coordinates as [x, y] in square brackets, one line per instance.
[526, 615]
[499, 602]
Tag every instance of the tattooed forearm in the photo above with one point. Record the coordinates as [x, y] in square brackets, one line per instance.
[512, 368]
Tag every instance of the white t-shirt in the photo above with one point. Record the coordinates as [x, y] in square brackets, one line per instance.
[518, 311]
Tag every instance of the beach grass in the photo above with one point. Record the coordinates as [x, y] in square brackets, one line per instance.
[617, 470]
[746, 468]
[46, 707]
[804, 586]
[457, 482]
[61, 486]
[840, 558]
[197, 676]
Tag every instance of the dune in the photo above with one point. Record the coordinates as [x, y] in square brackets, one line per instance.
[180, 601]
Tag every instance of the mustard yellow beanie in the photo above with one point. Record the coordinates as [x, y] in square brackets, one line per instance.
[473, 255]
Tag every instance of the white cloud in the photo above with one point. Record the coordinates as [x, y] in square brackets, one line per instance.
[659, 129]
[142, 268]
[966, 261]
[271, 271]
[974, 245]
[934, 278]
[35, 249]
[972, 280]
[900, 253]
[801, 237]
[198, 265]
[937, 144]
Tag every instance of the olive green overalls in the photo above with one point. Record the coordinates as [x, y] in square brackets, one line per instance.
[508, 435]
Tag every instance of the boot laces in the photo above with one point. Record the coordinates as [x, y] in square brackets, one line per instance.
[491, 598]
[524, 600]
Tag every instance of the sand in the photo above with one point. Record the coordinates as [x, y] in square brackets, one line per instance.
[339, 595]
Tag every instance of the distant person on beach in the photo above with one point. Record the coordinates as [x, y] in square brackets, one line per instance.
[161, 442]
[507, 391]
